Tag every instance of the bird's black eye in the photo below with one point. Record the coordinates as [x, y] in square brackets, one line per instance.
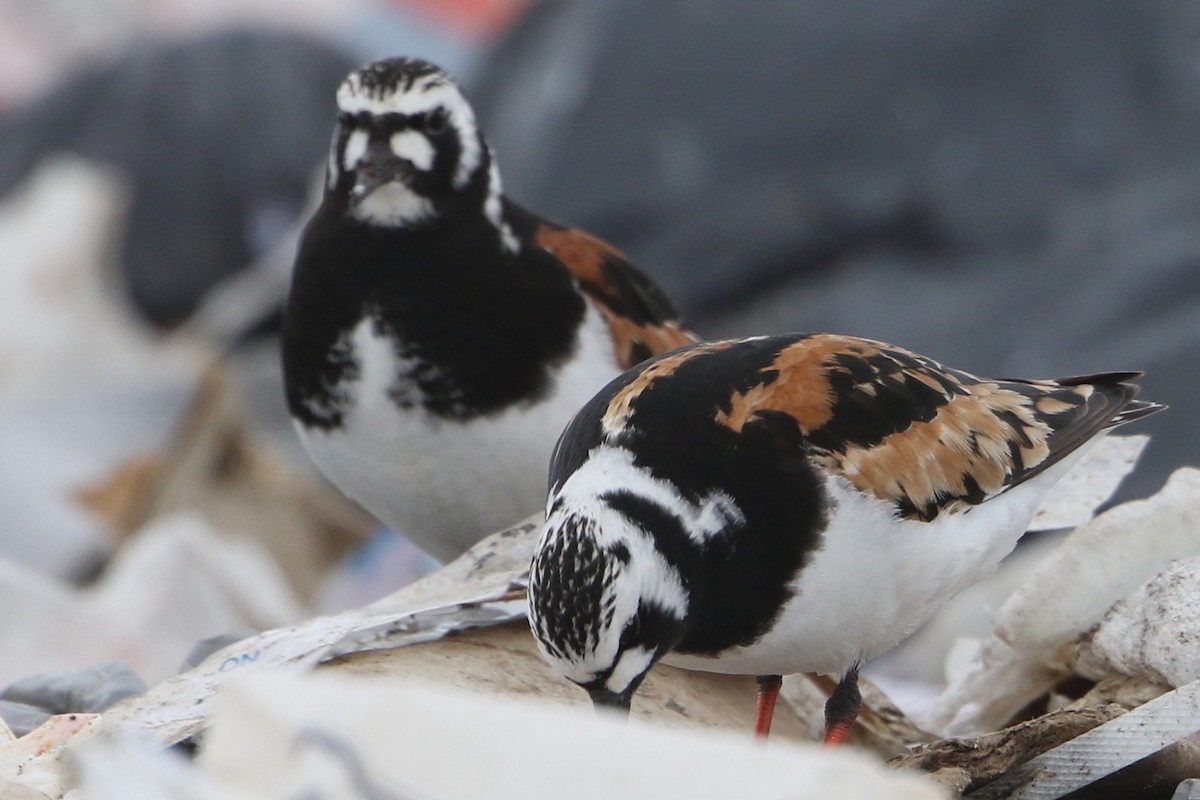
[435, 122]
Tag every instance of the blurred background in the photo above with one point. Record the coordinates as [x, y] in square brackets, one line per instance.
[1012, 188]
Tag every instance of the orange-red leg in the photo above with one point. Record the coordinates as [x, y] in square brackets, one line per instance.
[768, 692]
[841, 709]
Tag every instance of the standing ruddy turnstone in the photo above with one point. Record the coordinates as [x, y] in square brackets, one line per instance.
[790, 504]
[438, 337]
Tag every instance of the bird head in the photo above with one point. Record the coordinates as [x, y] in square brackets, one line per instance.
[406, 145]
[604, 605]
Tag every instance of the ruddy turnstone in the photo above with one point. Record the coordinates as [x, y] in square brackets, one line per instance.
[438, 337]
[795, 503]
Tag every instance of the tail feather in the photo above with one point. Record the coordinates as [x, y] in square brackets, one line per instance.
[1136, 410]
[1119, 385]
[1111, 404]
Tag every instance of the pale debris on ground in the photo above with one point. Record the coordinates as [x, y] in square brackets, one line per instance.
[178, 582]
[321, 734]
[37, 766]
[464, 629]
[913, 673]
[1090, 483]
[499, 659]
[1097, 565]
[81, 382]
[1151, 635]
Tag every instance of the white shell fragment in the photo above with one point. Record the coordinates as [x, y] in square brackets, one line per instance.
[1095, 566]
[33, 766]
[114, 768]
[333, 736]
[475, 587]
[1101, 751]
[1101, 562]
[174, 584]
[1153, 635]
[1089, 483]
[82, 383]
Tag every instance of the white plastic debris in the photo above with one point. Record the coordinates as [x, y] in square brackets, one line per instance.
[1101, 562]
[475, 589]
[913, 672]
[1089, 483]
[284, 736]
[82, 384]
[1152, 635]
[34, 766]
[468, 620]
[60, 313]
[177, 582]
[1101, 751]
[1096, 565]
[120, 769]
[1188, 790]
[56, 442]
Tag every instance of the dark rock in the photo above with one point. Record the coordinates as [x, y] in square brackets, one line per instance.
[88, 690]
[206, 647]
[220, 138]
[21, 718]
[1187, 790]
[1011, 188]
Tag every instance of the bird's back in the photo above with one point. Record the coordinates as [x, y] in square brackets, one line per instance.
[804, 486]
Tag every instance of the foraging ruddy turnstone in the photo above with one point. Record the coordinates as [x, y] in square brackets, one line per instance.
[438, 337]
[795, 503]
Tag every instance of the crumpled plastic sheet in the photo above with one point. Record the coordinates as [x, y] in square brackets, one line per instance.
[81, 383]
[481, 589]
[478, 586]
[331, 736]
[177, 582]
[182, 705]
[35, 767]
[1088, 484]
[1152, 635]
[1097, 565]
[1101, 751]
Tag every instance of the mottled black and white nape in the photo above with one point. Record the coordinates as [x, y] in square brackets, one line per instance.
[790, 504]
[437, 337]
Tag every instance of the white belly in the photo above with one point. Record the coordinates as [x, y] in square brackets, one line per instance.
[447, 484]
[876, 579]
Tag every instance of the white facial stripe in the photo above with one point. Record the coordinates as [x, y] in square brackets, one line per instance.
[464, 120]
[356, 145]
[414, 147]
[494, 210]
[633, 662]
[647, 578]
[334, 169]
[491, 206]
[422, 100]
[417, 100]
[609, 467]
[393, 204]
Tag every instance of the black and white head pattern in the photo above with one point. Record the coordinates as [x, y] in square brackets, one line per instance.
[607, 597]
[407, 145]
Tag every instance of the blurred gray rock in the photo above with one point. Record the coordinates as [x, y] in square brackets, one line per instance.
[219, 136]
[88, 690]
[1012, 188]
[207, 646]
[21, 718]
[1188, 790]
